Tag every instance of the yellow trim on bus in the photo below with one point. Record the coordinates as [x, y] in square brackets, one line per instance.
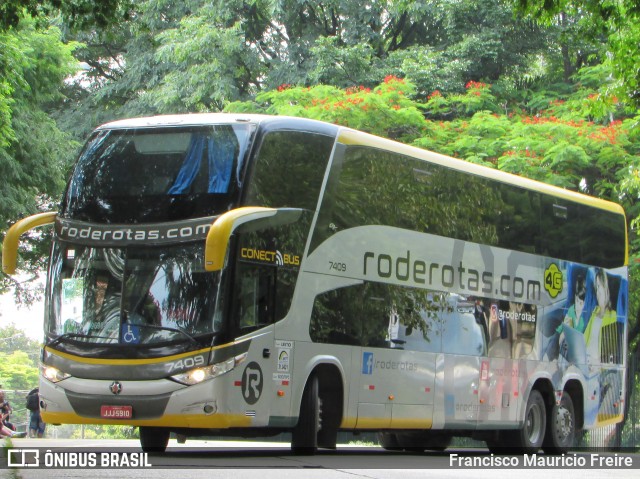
[348, 422]
[137, 362]
[11, 240]
[373, 423]
[122, 362]
[218, 236]
[411, 423]
[201, 421]
[609, 419]
[383, 423]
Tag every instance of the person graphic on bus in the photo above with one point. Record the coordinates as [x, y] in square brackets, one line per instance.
[575, 319]
[601, 316]
[602, 343]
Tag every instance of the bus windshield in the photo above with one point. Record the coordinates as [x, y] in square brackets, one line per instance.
[137, 175]
[132, 296]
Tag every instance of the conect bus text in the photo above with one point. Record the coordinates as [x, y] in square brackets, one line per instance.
[436, 275]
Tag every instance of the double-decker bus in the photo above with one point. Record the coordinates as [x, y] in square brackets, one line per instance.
[246, 275]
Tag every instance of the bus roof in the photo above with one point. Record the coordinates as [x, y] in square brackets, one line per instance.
[187, 119]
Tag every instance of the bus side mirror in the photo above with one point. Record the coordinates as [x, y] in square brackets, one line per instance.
[253, 218]
[11, 240]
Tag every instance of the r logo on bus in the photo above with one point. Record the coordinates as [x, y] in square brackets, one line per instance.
[252, 383]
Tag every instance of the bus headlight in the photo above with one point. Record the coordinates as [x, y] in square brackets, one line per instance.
[53, 374]
[198, 375]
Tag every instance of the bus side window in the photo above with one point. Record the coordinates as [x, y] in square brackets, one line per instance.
[336, 317]
[254, 292]
[296, 159]
[560, 218]
[376, 315]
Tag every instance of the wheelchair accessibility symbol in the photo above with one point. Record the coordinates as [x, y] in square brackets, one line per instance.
[130, 334]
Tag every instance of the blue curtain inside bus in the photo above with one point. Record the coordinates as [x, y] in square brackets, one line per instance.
[221, 149]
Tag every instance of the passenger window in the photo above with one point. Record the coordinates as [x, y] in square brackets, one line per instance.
[289, 169]
[379, 316]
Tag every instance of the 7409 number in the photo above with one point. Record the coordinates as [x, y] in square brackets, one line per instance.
[337, 266]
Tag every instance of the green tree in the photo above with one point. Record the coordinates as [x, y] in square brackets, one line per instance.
[615, 22]
[197, 55]
[34, 152]
[17, 371]
[84, 13]
[19, 358]
[13, 339]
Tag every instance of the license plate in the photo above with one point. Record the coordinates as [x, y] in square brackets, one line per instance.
[116, 412]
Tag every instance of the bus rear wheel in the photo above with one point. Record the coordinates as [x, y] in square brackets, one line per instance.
[154, 439]
[561, 427]
[529, 438]
[416, 441]
[304, 440]
[389, 441]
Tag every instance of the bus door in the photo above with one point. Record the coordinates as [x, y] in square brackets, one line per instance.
[253, 311]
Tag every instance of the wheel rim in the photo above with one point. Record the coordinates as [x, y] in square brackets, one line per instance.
[564, 424]
[319, 415]
[534, 425]
[317, 407]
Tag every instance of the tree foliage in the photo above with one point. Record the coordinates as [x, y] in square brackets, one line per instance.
[199, 55]
[19, 358]
[79, 13]
[13, 339]
[615, 22]
[16, 371]
[34, 152]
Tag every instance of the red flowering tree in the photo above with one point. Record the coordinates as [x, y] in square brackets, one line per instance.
[572, 141]
[386, 110]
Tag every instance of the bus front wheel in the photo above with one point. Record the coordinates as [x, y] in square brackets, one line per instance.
[154, 439]
[561, 427]
[304, 439]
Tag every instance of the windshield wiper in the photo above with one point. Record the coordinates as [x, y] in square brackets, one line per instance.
[166, 328]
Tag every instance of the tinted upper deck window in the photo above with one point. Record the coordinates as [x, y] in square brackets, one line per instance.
[157, 174]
